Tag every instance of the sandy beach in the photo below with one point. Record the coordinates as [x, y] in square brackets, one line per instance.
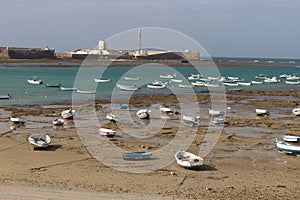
[244, 164]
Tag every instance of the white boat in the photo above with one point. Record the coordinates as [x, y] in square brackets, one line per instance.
[257, 82]
[5, 96]
[127, 87]
[86, 91]
[156, 86]
[131, 78]
[285, 147]
[244, 83]
[216, 113]
[198, 83]
[39, 140]
[185, 86]
[17, 120]
[272, 80]
[177, 80]
[191, 121]
[292, 82]
[138, 155]
[230, 84]
[58, 121]
[166, 76]
[218, 120]
[68, 114]
[291, 138]
[35, 81]
[165, 109]
[143, 114]
[296, 111]
[188, 160]
[107, 132]
[261, 111]
[211, 85]
[68, 89]
[100, 80]
[233, 77]
[284, 75]
[112, 118]
[292, 78]
[195, 77]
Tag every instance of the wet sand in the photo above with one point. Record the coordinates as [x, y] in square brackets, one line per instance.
[244, 164]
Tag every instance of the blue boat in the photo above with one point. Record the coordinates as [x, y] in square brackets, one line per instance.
[53, 84]
[68, 89]
[138, 155]
[123, 106]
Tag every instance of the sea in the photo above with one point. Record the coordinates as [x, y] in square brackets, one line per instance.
[13, 80]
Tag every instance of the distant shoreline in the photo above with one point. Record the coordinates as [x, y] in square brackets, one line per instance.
[129, 63]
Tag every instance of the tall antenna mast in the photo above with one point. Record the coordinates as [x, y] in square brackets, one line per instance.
[140, 39]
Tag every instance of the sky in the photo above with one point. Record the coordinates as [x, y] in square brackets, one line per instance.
[229, 28]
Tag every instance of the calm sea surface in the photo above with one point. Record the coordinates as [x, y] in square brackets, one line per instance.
[13, 81]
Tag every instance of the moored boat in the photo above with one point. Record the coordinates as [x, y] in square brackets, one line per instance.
[107, 132]
[138, 155]
[259, 111]
[283, 146]
[128, 87]
[292, 82]
[39, 140]
[296, 111]
[257, 82]
[132, 78]
[68, 89]
[17, 120]
[156, 86]
[68, 114]
[100, 80]
[53, 85]
[86, 91]
[216, 112]
[244, 83]
[35, 81]
[5, 97]
[188, 160]
[58, 122]
[112, 118]
[166, 76]
[191, 121]
[143, 114]
[291, 138]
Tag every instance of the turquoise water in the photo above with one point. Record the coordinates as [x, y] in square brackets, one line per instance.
[13, 81]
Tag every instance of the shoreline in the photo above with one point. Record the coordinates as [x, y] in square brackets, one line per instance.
[131, 63]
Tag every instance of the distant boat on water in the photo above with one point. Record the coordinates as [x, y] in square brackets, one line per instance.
[5, 97]
[68, 89]
[35, 81]
[53, 85]
[101, 80]
[131, 78]
[86, 91]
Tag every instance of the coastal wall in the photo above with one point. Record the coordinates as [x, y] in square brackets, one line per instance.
[30, 53]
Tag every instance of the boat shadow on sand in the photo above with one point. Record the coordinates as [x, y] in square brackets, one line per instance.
[52, 147]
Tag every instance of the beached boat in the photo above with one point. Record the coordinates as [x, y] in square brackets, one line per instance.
[58, 122]
[86, 91]
[216, 112]
[138, 155]
[218, 120]
[68, 89]
[107, 132]
[100, 80]
[127, 87]
[112, 118]
[165, 109]
[5, 97]
[143, 114]
[131, 78]
[68, 114]
[191, 121]
[17, 119]
[291, 138]
[35, 81]
[123, 106]
[292, 82]
[56, 85]
[261, 111]
[39, 140]
[188, 160]
[285, 147]
[296, 111]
